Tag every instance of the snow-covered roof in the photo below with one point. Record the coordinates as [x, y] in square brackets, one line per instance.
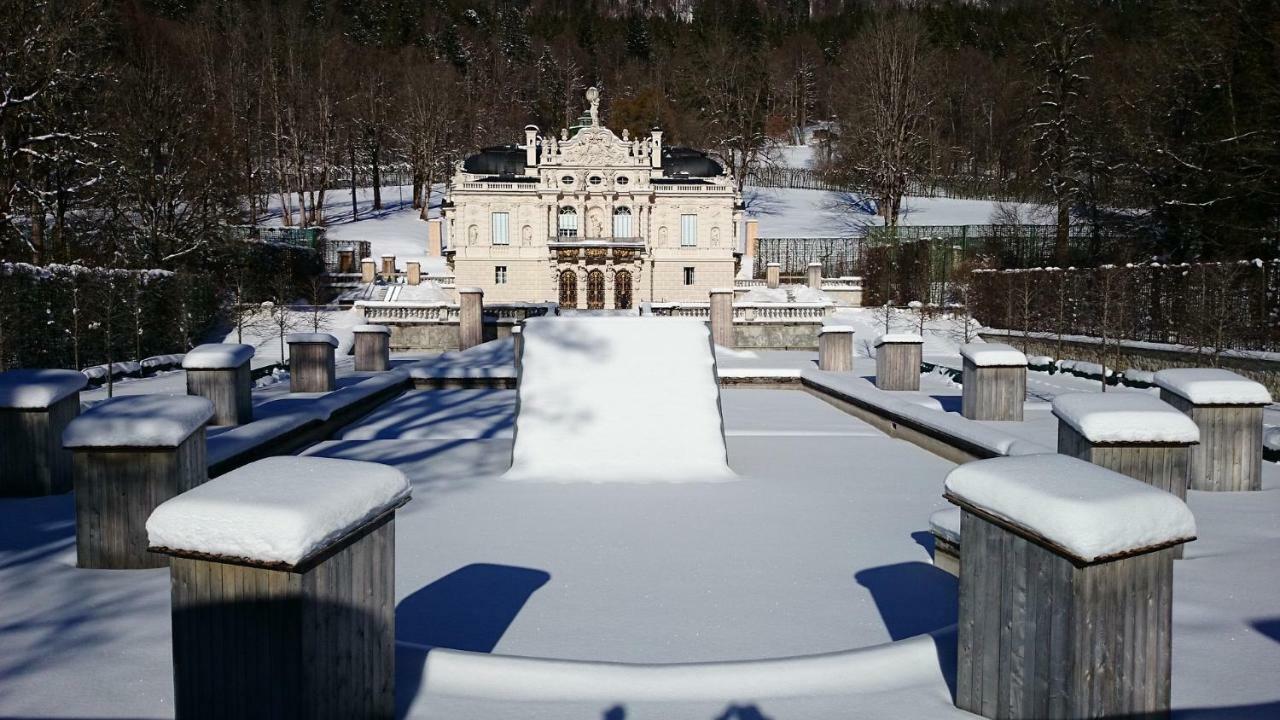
[1213, 386]
[371, 329]
[945, 524]
[311, 338]
[1087, 510]
[1124, 417]
[898, 338]
[217, 356]
[993, 355]
[139, 421]
[277, 510]
[38, 389]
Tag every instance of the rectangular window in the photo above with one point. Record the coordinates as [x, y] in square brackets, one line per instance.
[688, 230]
[568, 223]
[688, 276]
[500, 275]
[622, 223]
[498, 223]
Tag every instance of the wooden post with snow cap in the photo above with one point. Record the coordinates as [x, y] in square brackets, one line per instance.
[1228, 410]
[835, 348]
[773, 274]
[995, 381]
[311, 362]
[470, 317]
[813, 275]
[283, 590]
[1066, 589]
[517, 345]
[129, 454]
[898, 357]
[1131, 433]
[368, 270]
[373, 347]
[220, 373]
[722, 317]
[35, 407]
[413, 272]
[389, 268]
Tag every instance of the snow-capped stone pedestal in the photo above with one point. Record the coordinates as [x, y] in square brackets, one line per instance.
[283, 590]
[389, 268]
[813, 275]
[311, 362]
[373, 347]
[220, 374]
[995, 381]
[898, 358]
[1066, 589]
[835, 348]
[35, 407]
[130, 454]
[368, 270]
[413, 272]
[772, 275]
[722, 317]
[1228, 410]
[470, 317]
[944, 525]
[1131, 433]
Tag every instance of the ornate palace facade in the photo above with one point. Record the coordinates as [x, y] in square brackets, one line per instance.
[592, 220]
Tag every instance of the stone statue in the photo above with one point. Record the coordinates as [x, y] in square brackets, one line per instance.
[626, 134]
[593, 98]
[564, 134]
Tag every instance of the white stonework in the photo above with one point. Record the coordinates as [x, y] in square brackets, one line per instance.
[580, 219]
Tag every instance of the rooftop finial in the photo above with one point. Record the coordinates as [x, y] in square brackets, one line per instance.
[593, 98]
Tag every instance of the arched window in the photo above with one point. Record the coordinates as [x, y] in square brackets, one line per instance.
[622, 222]
[568, 226]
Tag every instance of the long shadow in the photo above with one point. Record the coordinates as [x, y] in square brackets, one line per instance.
[1269, 627]
[915, 598]
[468, 609]
[950, 403]
[925, 540]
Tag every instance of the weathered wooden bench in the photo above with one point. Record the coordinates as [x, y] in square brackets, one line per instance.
[283, 590]
[130, 454]
[995, 381]
[219, 372]
[1066, 589]
[373, 348]
[1228, 410]
[898, 357]
[311, 362]
[35, 407]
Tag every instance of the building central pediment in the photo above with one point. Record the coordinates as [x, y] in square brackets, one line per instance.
[596, 147]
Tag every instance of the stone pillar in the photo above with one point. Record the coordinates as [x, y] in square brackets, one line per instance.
[898, 358]
[414, 273]
[994, 382]
[435, 237]
[346, 261]
[368, 270]
[129, 454]
[389, 267]
[282, 607]
[751, 230]
[722, 317]
[773, 274]
[35, 408]
[373, 348]
[470, 317]
[814, 275]
[1065, 597]
[1228, 410]
[311, 362]
[220, 374]
[1131, 433]
[835, 348]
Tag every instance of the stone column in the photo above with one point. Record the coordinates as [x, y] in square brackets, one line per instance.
[435, 237]
[282, 607]
[773, 273]
[470, 317]
[814, 275]
[413, 273]
[1064, 618]
[752, 230]
[722, 317]
[35, 408]
[219, 373]
[368, 270]
[129, 454]
[835, 348]
[389, 267]
[311, 362]
[1228, 410]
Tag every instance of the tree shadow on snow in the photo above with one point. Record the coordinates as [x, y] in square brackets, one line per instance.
[33, 529]
[468, 609]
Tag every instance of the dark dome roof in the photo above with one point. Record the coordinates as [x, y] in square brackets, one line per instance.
[687, 161]
[497, 160]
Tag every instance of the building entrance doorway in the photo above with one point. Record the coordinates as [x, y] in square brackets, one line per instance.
[595, 290]
[568, 289]
[622, 290]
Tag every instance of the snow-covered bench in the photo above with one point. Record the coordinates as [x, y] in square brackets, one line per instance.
[283, 589]
[898, 357]
[1228, 410]
[129, 454]
[35, 407]
[219, 372]
[1066, 567]
[311, 362]
[995, 381]
[372, 347]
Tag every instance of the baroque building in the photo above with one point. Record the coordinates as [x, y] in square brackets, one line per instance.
[592, 220]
